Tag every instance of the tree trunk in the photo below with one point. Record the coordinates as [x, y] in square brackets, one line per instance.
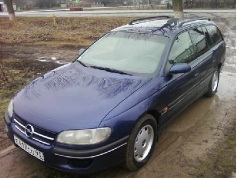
[10, 9]
[178, 8]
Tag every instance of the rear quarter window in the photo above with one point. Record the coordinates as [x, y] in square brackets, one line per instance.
[214, 34]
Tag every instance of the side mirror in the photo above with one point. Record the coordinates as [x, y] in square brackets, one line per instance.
[179, 68]
[81, 50]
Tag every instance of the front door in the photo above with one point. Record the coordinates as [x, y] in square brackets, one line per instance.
[181, 88]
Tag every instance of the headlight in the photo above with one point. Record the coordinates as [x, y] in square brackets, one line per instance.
[84, 137]
[10, 109]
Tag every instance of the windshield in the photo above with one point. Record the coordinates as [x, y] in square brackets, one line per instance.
[132, 53]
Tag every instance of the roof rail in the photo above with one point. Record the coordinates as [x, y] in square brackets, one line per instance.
[191, 20]
[147, 19]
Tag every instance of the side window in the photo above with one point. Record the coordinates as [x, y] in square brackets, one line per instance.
[208, 38]
[182, 49]
[199, 41]
[214, 34]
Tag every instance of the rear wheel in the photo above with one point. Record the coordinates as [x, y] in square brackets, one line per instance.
[141, 143]
[213, 85]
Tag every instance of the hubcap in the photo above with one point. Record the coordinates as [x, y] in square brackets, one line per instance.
[215, 79]
[143, 143]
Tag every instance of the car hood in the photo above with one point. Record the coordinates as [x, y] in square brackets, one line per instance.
[74, 97]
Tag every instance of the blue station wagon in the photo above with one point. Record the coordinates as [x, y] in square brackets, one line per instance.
[108, 105]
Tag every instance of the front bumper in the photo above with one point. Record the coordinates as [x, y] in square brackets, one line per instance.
[87, 161]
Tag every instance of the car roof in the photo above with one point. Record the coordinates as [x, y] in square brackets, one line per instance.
[163, 25]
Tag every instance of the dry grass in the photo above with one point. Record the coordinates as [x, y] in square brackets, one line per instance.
[79, 31]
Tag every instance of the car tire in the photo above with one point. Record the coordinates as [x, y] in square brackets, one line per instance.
[213, 85]
[141, 143]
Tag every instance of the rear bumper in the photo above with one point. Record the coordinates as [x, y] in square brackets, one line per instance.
[86, 161]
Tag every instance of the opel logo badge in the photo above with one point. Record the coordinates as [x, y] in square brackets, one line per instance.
[29, 130]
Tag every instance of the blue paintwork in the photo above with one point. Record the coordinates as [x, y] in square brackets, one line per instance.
[78, 97]
[69, 94]
[180, 68]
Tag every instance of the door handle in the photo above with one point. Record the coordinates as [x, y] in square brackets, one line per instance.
[195, 75]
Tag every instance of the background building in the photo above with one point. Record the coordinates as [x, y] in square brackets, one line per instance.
[42, 4]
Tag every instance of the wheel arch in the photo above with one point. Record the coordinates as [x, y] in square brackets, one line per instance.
[220, 66]
[155, 114]
[130, 162]
[152, 112]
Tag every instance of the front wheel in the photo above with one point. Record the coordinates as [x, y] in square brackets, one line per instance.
[141, 143]
[213, 85]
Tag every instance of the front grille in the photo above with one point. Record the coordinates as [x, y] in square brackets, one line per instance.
[38, 134]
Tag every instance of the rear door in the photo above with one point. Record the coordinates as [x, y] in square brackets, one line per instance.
[217, 43]
[204, 58]
[208, 47]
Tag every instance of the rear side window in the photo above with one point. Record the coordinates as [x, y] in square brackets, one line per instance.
[214, 34]
[199, 39]
[182, 50]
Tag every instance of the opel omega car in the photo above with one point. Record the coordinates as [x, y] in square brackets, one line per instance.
[108, 105]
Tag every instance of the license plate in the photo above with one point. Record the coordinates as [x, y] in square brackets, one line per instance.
[34, 152]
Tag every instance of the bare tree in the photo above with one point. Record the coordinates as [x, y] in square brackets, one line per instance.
[10, 9]
[178, 8]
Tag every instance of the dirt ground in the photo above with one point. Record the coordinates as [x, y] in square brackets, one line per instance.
[200, 142]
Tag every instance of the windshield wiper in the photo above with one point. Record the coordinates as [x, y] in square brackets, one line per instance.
[110, 70]
[82, 63]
